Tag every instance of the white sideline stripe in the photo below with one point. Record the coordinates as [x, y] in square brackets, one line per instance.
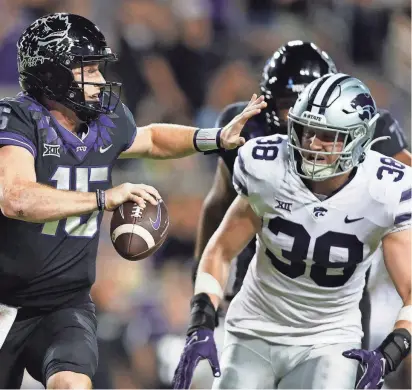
[134, 229]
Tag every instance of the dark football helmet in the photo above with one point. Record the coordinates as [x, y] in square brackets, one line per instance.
[50, 48]
[290, 69]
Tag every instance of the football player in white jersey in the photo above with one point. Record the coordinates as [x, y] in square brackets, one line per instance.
[320, 202]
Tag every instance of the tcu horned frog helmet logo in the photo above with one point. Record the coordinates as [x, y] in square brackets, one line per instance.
[364, 105]
[47, 34]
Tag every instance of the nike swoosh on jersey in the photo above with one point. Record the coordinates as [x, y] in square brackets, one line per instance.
[156, 223]
[347, 220]
[104, 150]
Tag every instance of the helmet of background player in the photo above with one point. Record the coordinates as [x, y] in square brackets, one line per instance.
[338, 110]
[291, 68]
[50, 48]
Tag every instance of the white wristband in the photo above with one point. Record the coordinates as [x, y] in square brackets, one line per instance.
[205, 140]
[405, 314]
[206, 283]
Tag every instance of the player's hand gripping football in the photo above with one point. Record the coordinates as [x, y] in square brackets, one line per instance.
[373, 365]
[137, 193]
[199, 345]
[230, 136]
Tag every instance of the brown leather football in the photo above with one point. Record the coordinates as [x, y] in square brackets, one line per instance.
[137, 233]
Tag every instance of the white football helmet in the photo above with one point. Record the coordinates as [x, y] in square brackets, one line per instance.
[336, 103]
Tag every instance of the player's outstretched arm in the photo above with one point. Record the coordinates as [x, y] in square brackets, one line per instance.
[162, 141]
[21, 197]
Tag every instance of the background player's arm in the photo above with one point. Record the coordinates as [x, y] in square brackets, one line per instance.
[404, 156]
[216, 203]
[396, 145]
[397, 254]
[220, 196]
[238, 227]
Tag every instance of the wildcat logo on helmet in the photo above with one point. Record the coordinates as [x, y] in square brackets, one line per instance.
[364, 105]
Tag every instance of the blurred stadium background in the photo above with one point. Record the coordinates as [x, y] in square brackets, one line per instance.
[182, 61]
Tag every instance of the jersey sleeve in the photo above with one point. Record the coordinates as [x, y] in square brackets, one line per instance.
[387, 125]
[17, 128]
[248, 180]
[240, 175]
[402, 208]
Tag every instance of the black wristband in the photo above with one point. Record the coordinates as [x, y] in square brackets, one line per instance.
[218, 138]
[202, 313]
[101, 199]
[395, 348]
[194, 140]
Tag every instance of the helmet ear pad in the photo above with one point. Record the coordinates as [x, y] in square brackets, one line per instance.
[62, 80]
[53, 80]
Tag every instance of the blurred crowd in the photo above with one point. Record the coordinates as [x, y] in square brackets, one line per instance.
[183, 61]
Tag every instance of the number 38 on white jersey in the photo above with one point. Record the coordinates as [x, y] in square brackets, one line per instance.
[306, 279]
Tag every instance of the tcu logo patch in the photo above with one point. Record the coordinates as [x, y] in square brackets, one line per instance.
[51, 150]
[81, 149]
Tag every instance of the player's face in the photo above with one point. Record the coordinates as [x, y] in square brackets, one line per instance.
[91, 74]
[327, 141]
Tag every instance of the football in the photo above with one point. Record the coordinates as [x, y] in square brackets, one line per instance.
[137, 233]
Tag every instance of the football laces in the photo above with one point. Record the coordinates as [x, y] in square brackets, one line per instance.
[137, 211]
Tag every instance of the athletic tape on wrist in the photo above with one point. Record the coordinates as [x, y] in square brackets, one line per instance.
[206, 283]
[205, 140]
[405, 314]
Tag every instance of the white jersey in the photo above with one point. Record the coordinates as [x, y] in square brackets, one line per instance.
[306, 279]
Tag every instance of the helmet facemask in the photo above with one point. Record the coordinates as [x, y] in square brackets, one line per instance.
[109, 95]
[346, 144]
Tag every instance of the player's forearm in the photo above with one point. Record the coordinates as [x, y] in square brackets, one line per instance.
[171, 141]
[34, 202]
[175, 141]
[214, 264]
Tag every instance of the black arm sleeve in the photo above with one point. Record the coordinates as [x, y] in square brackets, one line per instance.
[130, 126]
[388, 126]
